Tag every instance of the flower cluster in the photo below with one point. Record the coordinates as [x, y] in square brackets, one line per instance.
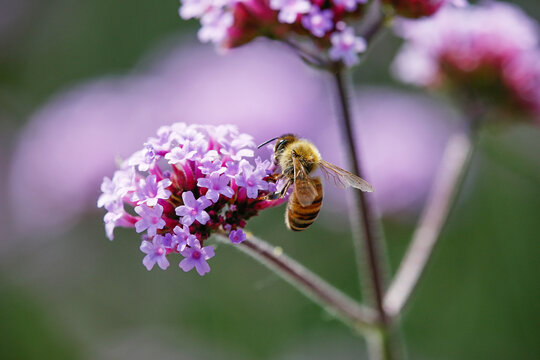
[486, 52]
[231, 23]
[185, 184]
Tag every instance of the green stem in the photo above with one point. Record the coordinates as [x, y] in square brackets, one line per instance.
[455, 163]
[356, 316]
[366, 236]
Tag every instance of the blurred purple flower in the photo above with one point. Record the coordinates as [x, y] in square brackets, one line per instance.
[233, 23]
[346, 46]
[289, 10]
[475, 50]
[401, 139]
[318, 22]
[254, 87]
[349, 5]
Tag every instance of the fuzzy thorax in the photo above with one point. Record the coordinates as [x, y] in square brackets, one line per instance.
[305, 151]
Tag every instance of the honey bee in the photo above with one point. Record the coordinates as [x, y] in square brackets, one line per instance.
[298, 158]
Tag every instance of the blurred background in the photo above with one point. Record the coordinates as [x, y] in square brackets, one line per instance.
[83, 82]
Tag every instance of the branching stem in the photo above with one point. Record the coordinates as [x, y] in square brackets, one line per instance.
[356, 316]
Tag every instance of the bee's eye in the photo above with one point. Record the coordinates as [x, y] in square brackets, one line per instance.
[280, 145]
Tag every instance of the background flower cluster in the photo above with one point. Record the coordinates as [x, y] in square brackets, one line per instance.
[233, 23]
[487, 53]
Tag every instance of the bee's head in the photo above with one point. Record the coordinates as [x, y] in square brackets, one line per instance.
[281, 142]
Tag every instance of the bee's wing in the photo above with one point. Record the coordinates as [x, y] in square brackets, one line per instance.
[344, 178]
[304, 189]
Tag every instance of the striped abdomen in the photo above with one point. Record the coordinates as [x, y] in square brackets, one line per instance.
[298, 217]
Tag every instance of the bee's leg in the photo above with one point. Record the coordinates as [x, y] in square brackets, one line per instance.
[280, 194]
[274, 177]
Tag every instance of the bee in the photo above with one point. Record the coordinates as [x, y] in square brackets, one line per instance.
[298, 158]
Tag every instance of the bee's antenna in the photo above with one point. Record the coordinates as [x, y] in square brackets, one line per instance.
[268, 141]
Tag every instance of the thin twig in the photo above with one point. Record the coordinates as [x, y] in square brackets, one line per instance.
[455, 162]
[333, 300]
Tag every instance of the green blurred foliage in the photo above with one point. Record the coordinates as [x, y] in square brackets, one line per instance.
[79, 296]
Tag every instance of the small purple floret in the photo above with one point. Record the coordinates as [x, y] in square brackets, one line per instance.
[183, 237]
[196, 257]
[318, 22]
[290, 9]
[193, 209]
[251, 180]
[179, 154]
[150, 191]
[346, 46]
[237, 236]
[216, 184]
[349, 5]
[150, 219]
[155, 253]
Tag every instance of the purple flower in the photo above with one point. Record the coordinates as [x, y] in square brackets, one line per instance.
[478, 49]
[211, 163]
[116, 216]
[155, 253]
[251, 180]
[214, 25]
[232, 168]
[183, 222]
[402, 138]
[108, 190]
[193, 209]
[150, 219]
[238, 147]
[318, 22]
[114, 190]
[349, 5]
[237, 236]
[259, 82]
[471, 32]
[144, 158]
[290, 9]
[150, 191]
[346, 46]
[196, 256]
[194, 8]
[183, 237]
[179, 154]
[170, 241]
[216, 184]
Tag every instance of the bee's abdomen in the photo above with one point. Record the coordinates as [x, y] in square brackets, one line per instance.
[298, 217]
